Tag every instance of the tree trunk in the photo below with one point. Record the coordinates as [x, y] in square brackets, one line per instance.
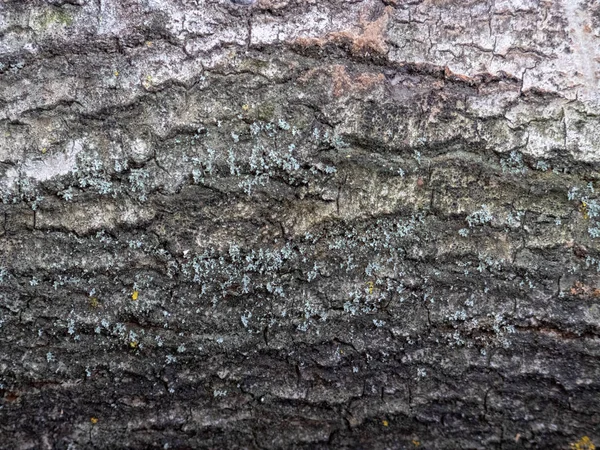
[299, 224]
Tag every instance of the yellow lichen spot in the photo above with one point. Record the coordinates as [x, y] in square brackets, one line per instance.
[94, 302]
[385, 423]
[147, 83]
[94, 420]
[133, 344]
[584, 210]
[44, 150]
[245, 107]
[149, 43]
[415, 442]
[116, 73]
[134, 296]
[585, 443]
[371, 286]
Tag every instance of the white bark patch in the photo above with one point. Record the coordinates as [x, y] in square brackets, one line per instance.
[584, 47]
[51, 166]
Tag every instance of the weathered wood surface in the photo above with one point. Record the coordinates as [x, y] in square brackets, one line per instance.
[299, 224]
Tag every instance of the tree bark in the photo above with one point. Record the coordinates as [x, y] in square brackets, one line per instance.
[299, 224]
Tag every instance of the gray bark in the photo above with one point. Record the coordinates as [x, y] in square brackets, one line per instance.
[299, 224]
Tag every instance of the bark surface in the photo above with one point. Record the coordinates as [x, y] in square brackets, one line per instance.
[299, 224]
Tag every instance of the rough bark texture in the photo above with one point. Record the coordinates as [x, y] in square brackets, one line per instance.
[299, 224]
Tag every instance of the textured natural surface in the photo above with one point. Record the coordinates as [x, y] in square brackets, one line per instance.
[299, 224]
